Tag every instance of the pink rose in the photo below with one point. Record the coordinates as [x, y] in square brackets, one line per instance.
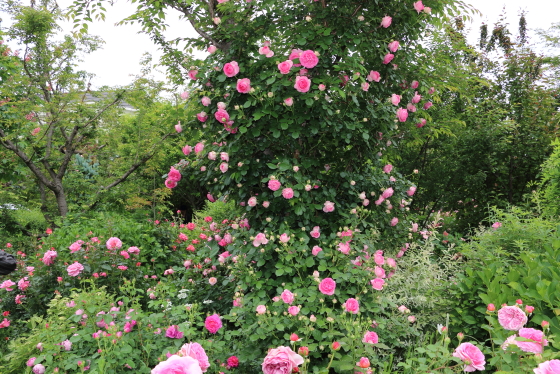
[327, 286]
[212, 49]
[428, 105]
[511, 318]
[281, 360]
[274, 184]
[293, 310]
[377, 284]
[195, 350]
[170, 183]
[287, 193]
[243, 85]
[302, 84]
[8, 285]
[174, 175]
[315, 233]
[284, 238]
[287, 296]
[394, 221]
[411, 191]
[328, 207]
[289, 101]
[374, 76]
[187, 149]
[48, 257]
[199, 147]
[39, 369]
[402, 114]
[537, 343]
[316, 249]
[422, 123]
[365, 86]
[205, 101]
[389, 191]
[395, 99]
[388, 58]
[548, 367]
[308, 59]
[414, 85]
[213, 323]
[224, 167]
[411, 108]
[471, 355]
[252, 201]
[393, 46]
[222, 116]
[379, 272]
[352, 306]
[113, 243]
[192, 74]
[386, 21]
[370, 337]
[285, 66]
[322, 87]
[416, 98]
[264, 50]
[260, 239]
[176, 364]
[261, 309]
[418, 6]
[266, 204]
[295, 54]
[344, 247]
[231, 69]
[75, 269]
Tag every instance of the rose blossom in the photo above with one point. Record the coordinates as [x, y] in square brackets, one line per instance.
[511, 318]
[316, 249]
[393, 46]
[222, 116]
[315, 233]
[395, 99]
[471, 355]
[115, 243]
[374, 76]
[327, 286]
[192, 74]
[548, 367]
[205, 101]
[328, 207]
[195, 350]
[224, 167]
[213, 323]
[377, 284]
[370, 337]
[75, 269]
[293, 310]
[231, 69]
[176, 364]
[418, 6]
[303, 84]
[402, 114]
[243, 85]
[38, 369]
[308, 59]
[287, 193]
[274, 184]
[289, 101]
[281, 360]
[261, 309]
[48, 257]
[388, 58]
[351, 305]
[285, 66]
[537, 343]
[260, 239]
[287, 296]
[386, 21]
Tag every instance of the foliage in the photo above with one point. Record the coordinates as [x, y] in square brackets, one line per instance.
[550, 182]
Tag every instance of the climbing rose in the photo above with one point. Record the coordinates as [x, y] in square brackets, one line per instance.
[374, 76]
[243, 85]
[386, 21]
[393, 46]
[302, 84]
[377, 284]
[537, 343]
[285, 66]
[176, 364]
[48, 257]
[287, 296]
[75, 269]
[174, 175]
[274, 184]
[212, 49]
[287, 193]
[402, 114]
[231, 69]
[308, 59]
[352, 305]
[471, 356]
[328, 207]
[195, 350]
[222, 116]
[548, 367]
[205, 101]
[370, 337]
[327, 286]
[213, 323]
[388, 58]
[281, 360]
[113, 243]
[418, 6]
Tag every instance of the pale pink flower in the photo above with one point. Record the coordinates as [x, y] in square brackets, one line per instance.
[281, 360]
[512, 318]
[327, 286]
[538, 340]
[316, 249]
[211, 49]
[243, 85]
[192, 74]
[416, 98]
[402, 114]
[471, 356]
[374, 76]
[285, 66]
[377, 284]
[379, 272]
[308, 59]
[260, 239]
[222, 116]
[388, 58]
[386, 21]
[205, 101]
[363, 363]
[322, 87]
[393, 46]
[370, 337]
[418, 6]
[48, 257]
[411, 108]
[212, 155]
[395, 99]
[387, 169]
[202, 116]
[328, 207]
[39, 369]
[352, 306]
[365, 86]
[315, 233]
[199, 147]
[224, 167]
[266, 204]
[394, 221]
[75, 269]
[264, 50]
[187, 149]
[177, 364]
[391, 262]
[411, 319]
[548, 367]
[231, 69]
[293, 310]
[344, 247]
[252, 201]
[261, 309]
[303, 84]
[284, 238]
[18, 299]
[289, 101]
[274, 184]
[411, 191]
[114, 243]
[295, 54]
[287, 296]
[287, 193]
[496, 225]
[195, 351]
[213, 323]
[212, 280]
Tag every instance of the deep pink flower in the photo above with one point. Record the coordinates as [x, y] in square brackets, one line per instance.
[173, 332]
[23, 283]
[75, 269]
[512, 318]
[308, 59]
[170, 183]
[370, 337]
[386, 21]
[222, 116]
[287, 296]
[327, 286]
[231, 69]
[428, 105]
[232, 362]
[287, 193]
[177, 364]
[243, 85]
[285, 66]
[402, 114]
[471, 356]
[344, 247]
[48, 257]
[388, 58]
[174, 175]
[213, 323]
[281, 360]
[303, 84]
[352, 305]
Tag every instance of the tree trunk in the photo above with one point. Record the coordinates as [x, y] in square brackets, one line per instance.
[61, 201]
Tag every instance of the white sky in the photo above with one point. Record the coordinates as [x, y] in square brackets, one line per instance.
[117, 62]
